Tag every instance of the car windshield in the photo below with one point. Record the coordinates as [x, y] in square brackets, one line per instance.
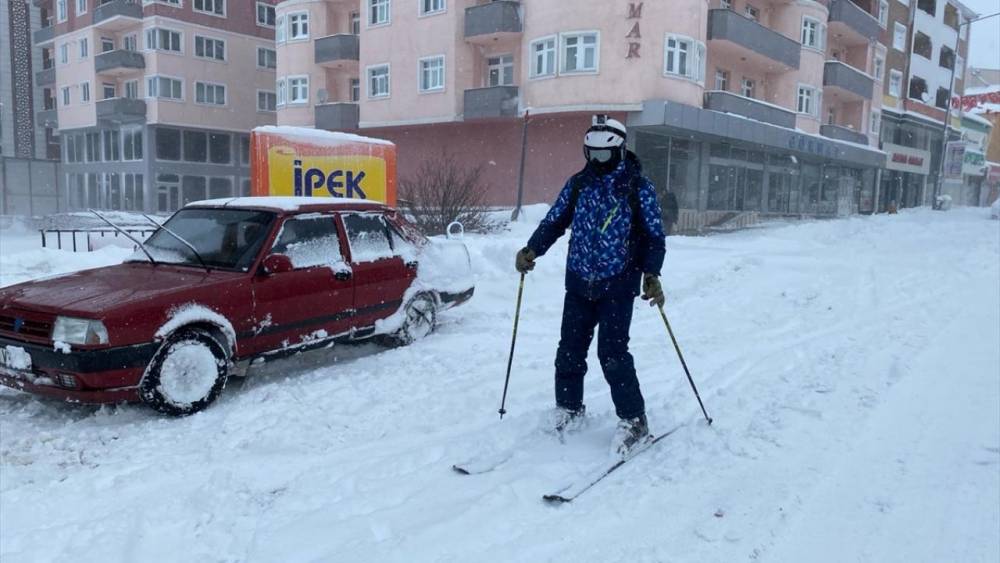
[225, 238]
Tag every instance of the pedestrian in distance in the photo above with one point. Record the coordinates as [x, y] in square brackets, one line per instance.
[617, 244]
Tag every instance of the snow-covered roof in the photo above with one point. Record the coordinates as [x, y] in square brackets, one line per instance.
[977, 119]
[280, 203]
[320, 135]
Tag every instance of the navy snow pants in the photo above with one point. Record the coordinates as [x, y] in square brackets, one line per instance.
[580, 316]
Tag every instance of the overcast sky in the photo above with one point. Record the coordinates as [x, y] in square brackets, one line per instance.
[984, 51]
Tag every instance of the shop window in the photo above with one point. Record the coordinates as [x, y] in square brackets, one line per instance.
[220, 148]
[923, 46]
[244, 150]
[193, 189]
[918, 88]
[928, 6]
[195, 146]
[167, 192]
[220, 188]
[941, 99]
[112, 152]
[132, 143]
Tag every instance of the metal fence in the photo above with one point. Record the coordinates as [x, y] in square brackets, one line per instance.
[30, 187]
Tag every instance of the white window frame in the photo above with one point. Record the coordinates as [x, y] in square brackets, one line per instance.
[265, 67]
[883, 14]
[281, 91]
[214, 86]
[225, 8]
[694, 58]
[388, 81]
[303, 18]
[811, 99]
[422, 13]
[899, 83]
[206, 39]
[158, 47]
[84, 47]
[896, 30]
[256, 16]
[355, 93]
[564, 58]
[818, 34]
[421, 87]
[66, 98]
[104, 90]
[62, 10]
[279, 29]
[875, 122]
[534, 56]
[157, 96]
[134, 84]
[105, 40]
[501, 67]
[85, 92]
[291, 90]
[724, 76]
[369, 4]
[878, 68]
[751, 12]
[64, 53]
[753, 87]
[81, 7]
[273, 93]
[130, 42]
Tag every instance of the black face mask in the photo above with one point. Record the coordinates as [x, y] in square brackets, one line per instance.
[602, 161]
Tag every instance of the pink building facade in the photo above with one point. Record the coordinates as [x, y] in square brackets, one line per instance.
[741, 108]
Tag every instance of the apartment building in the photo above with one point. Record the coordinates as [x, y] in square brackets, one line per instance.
[741, 108]
[154, 99]
[927, 44]
[20, 94]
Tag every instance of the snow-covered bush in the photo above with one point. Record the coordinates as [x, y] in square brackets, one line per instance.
[443, 191]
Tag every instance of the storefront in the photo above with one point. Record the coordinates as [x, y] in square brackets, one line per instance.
[905, 178]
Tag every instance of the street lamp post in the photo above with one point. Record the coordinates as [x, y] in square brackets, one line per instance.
[947, 114]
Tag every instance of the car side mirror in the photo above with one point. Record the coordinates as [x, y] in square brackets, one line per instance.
[277, 264]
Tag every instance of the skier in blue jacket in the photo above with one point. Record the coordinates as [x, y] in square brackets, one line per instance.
[617, 243]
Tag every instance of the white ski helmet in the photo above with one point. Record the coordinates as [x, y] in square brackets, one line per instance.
[604, 143]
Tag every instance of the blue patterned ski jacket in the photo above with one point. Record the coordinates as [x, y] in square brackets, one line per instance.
[609, 248]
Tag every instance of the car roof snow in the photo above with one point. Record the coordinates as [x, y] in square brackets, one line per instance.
[287, 203]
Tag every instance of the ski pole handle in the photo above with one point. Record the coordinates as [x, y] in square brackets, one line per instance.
[513, 340]
[684, 364]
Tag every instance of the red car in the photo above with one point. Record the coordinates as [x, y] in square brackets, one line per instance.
[220, 284]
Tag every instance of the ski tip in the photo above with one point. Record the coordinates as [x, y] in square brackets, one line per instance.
[556, 499]
[460, 470]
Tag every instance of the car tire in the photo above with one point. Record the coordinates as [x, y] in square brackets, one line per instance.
[187, 373]
[419, 320]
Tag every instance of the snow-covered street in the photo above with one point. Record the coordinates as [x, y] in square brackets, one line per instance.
[852, 368]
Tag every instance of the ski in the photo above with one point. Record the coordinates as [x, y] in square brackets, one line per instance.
[582, 485]
[484, 463]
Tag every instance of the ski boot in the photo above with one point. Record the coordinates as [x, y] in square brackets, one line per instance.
[564, 420]
[630, 436]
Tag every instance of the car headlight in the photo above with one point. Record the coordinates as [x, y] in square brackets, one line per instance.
[79, 331]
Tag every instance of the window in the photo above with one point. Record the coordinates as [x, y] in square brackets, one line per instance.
[895, 83]
[107, 44]
[379, 12]
[167, 192]
[132, 89]
[951, 18]
[941, 99]
[129, 42]
[309, 241]
[812, 33]
[899, 37]
[61, 10]
[918, 88]
[85, 92]
[298, 90]
[684, 56]
[65, 95]
[265, 15]
[368, 237]
[747, 88]
[883, 13]
[875, 124]
[93, 146]
[164, 87]
[928, 6]
[132, 199]
[500, 70]
[209, 93]
[579, 52]
[298, 26]
[245, 151]
[108, 91]
[922, 45]
[220, 188]
[163, 39]
[878, 69]
[84, 48]
[279, 30]
[378, 81]
[193, 188]
[132, 143]
[112, 144]
[431, 7]
[266, 101]
[220, 148]
[721, 79]
[282, 92]
[807, 101]
[947, 58]
[64, 53]
[355, 90]
[81, 7]
[213, 7]
[432, 74]
[356, 23]
[751, 12]
[208, 48]
[543, 57]
[195, 146]
[726, 4]
[267, 58]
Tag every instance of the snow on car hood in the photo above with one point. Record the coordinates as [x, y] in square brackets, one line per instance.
[444, 266]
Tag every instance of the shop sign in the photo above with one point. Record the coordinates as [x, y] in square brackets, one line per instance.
[906, 159]
[634, 34]
[975, 100]
[805, 143]
[994, 175]
[953, 159]
[974, 162]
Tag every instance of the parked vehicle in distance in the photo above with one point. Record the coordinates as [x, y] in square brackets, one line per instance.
[220, 284]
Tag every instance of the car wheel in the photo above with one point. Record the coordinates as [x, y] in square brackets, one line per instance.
[187, 373]
[419, 318]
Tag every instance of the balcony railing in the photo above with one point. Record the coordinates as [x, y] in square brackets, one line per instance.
[727, 25]
[499, 16]
[727, 102]
[48, 118]
[44, 35]
[340, 47]
[113, 8]
[45, 77]
[491, 102]
[846, 77]
[854, 17]
[338, 116]
[119, 60]
[121, 110]
[842, 133]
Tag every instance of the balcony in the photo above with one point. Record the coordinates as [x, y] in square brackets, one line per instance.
[44, 35]
[846, 83]
[45, 77]
[114, 15]
[842, 133]
[337, 50]
[338, 116]
[47, 118]
[734, 36]
[851, 23]
[486, 23]
[717, 100]
[121, 110]
[119, 62]
[491, 102]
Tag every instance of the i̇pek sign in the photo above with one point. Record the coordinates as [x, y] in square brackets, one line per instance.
[906, 159]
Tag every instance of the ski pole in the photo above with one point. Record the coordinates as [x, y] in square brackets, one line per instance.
[684, 364]
[513, 339]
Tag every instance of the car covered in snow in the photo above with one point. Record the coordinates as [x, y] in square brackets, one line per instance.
[221, 284]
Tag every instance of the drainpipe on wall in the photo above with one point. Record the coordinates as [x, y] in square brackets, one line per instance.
[520, 174]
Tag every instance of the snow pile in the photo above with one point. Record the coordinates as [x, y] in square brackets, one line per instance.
[16, 357]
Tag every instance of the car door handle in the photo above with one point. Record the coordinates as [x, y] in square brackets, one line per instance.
[342, 275]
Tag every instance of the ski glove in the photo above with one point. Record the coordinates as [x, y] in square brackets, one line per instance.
[652, 290]
[525, 260]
